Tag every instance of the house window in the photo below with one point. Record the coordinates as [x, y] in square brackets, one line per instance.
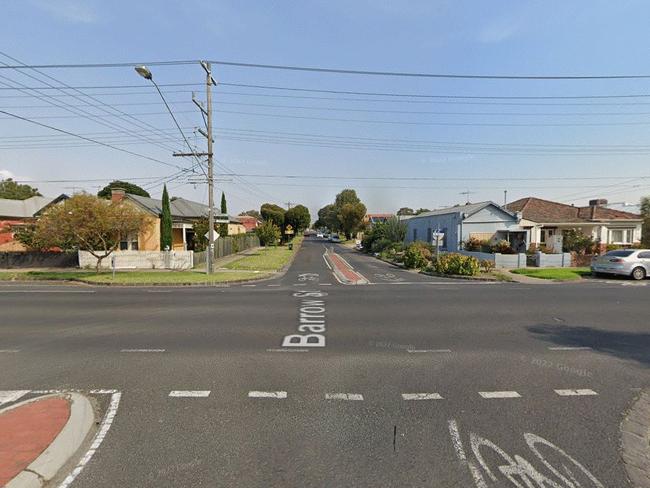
[124, 245]
[130, 243]
[621, 236]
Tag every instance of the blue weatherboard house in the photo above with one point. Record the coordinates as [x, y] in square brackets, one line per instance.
[483, 221]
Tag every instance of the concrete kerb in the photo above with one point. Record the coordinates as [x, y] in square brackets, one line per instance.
[635, 441]
[60, 452]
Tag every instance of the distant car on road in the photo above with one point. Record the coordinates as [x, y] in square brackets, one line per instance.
[319, 234]
[335, 238]
[626, 262]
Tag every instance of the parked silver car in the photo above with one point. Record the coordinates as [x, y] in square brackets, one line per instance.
[626, 262]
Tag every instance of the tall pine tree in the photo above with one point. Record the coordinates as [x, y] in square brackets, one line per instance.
[165, 222]
[223, 228]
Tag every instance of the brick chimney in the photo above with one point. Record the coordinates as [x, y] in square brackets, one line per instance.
[117, 194]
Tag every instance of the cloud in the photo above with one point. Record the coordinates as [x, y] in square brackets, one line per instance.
[5, 174]
[499, 30]
[74, 11]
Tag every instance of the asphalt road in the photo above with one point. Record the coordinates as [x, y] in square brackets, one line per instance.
[421, 381]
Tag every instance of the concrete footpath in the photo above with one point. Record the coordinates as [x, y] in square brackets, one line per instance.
[40, 435]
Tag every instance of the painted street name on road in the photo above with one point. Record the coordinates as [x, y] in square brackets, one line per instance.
[311, 321]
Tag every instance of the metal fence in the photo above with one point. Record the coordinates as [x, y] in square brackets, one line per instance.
[225, 246]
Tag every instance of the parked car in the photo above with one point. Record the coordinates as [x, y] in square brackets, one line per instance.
[625, 262]
[335, 238]
[319, 234]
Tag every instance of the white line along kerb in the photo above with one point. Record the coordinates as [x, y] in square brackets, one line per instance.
[267, 394]
[12, 395]
[97, 440]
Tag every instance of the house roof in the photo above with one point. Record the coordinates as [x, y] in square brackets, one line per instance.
[248, 221]
[180, 208]
[469, 209]
[27, 208]
[379, 215]
[539, 210]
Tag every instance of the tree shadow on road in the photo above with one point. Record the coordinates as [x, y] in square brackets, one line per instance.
[633, 346]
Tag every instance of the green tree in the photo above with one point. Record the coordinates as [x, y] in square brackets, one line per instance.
[645, 212]
[327, 217]
[394, 230]
[223, 228]
[268, 233]
[165, 222]
[273, 212]
[87, 223]
[349, 211]
[405, 211]
[13, 190]
[421, 210]
[298, 217]
[131, 188]
[252, 213]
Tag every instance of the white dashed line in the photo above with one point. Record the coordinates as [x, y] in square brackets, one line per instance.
[579, 392]
[189, 393]
[499, 394]
[250, 286]
[272, 285]
[97, 440]
[11, 395]
[142, 350]
[326, 284]
[47, 291]
[570, 348]
[267, 394]
[422, 396]
[427, 350]
[287, 350]
[9, 350]
[344, 396]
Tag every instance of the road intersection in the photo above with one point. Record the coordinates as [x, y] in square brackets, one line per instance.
[417, 380]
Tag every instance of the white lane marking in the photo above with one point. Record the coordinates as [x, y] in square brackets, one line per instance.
[427, 350]
[499, 394]
[76, 390]
[9, 350]
[455, 439]
[47, 291]
[344, 396]
[326, 284]
[422, 396]
[142, 350]
[287, 350]
[103, 392]
[250, 286]
[578, 392]
[570, 348]
[159, 291]
[189, 393]
[272, 285]
[267, 394]
[12, 395]
[98, 439]
[325, 259]
[440, 283]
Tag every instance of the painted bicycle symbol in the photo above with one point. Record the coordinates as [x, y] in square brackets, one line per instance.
[491, 464]
[308, 277]
[388, 277]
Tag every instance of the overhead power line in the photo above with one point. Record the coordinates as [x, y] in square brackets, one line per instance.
[319, 69]
[89, 139]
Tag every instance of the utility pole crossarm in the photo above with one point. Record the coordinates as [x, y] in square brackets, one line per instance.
[190, 154]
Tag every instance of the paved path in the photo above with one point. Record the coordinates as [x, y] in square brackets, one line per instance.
[407, 381]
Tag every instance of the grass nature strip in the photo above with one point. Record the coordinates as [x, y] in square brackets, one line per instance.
[558, 274]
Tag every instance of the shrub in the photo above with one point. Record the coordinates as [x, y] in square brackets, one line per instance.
[486, 246]
[380, 244]
[487, 265]
[503, 247]
[268, 233]
[417, 255]
[472, 244]
[576, 241]
[457, 264]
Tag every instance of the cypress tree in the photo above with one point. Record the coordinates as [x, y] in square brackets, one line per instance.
[165, 222]
[223, 228]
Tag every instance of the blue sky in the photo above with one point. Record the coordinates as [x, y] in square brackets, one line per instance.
[275, 132]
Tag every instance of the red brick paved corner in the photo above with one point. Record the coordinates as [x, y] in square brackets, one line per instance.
[27, 431]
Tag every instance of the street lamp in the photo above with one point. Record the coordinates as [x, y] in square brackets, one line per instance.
[143, 71]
